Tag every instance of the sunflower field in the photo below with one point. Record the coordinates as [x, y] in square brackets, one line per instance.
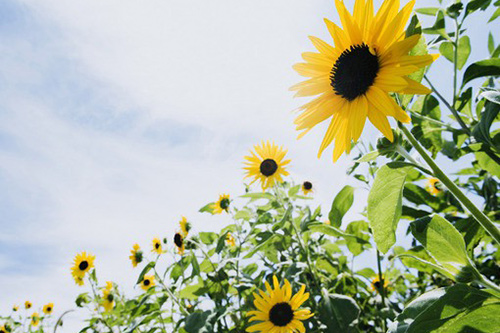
[285, 266]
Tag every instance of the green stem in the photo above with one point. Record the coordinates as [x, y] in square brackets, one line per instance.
[381, 282]
[488, 284]
[480, 217]
[455, 62]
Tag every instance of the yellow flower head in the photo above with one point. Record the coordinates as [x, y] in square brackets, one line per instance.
[307, 187]
[376, 284]
[5, 328]
[434, 186]
[83, 263]
[15, 308]
[48, 308]
[157, 246]
[222, 205]
[27, 305]
[278, 310]
[266, 164]
[108, 299]
[353, 78]
[35, 319]
[179, 243]
[185, 226]
[147, 282]
[230, 240]
[136, 255]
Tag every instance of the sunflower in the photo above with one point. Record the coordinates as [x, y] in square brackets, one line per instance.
[222, 205]
[157, 246]
[147, 282]
[354, 77]
[136, 255]
[28, 305]
[307, 187]
[376, 285]
[83, 262]
[278, 311]
[185, 226]
[48, 308]
[5, 328]
[266, 164]
[434, 186]
[230, 240]
[108, 299]
[15, 308]
[35, 319]
[179, 243]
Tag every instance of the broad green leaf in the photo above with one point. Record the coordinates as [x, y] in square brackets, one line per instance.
[482, 68]
[439, 26]
[481, 131]
[221, 242]
[475, 5]
[385, 204]
[428, 133]
[334, 232]
[487, 163]
[443, 242]
[256, 196]
[448, 51]
[207, 238]
[194, 264]
[420, 260]
[341, 204]
[492, 96]
[338, 312]
[360, 230]
[368, 157]
[207, 208]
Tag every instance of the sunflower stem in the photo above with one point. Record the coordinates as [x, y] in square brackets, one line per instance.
[480, 217]
[382, 288]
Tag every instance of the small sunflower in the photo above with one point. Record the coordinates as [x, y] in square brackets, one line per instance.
[434, 186]
[5, 328]
[369, 60]
[136, 255]
[28, 305]
[307, 187]
[48, 308]
[376, 284]
[179, 243]
[15, 308]
[157, 246]
[83, 263]
[230, 240]
[147, 282]
[222, 205]
[108, 299]
[278, 311]
[266, 164]
[185, 226]
[35, 319]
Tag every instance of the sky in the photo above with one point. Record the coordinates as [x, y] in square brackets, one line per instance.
[117, 117]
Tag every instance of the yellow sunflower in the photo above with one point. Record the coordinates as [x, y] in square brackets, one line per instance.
[185, 226]
[369, 60]
[35, 319]
[83, 263]
[48, 308]
[376, 284]
[307, 187]
[222, 205]
[28, 305]
[266, 164]
[230, 240]
[136, 255]
[434, 186]
[157, 246]
[5, 329]
[179, 243]
[147, 282]
[108, 299]
[15, 308]
[278, 311]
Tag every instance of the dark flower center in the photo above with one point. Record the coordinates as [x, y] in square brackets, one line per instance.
[83, 265]
[110, 297]
[268, 167]
[178, 240]
[138, 256]
[354, 72]
[224, 203]
[49, 309]
[147, 282]
[307, 185]
[437, 185]
[281, 314]
[157, 246]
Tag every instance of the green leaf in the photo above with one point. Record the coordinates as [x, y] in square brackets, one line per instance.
[195, 265]
[443, 242]
[368, 157]
[492, 96]
[463, 52]
[341, 204]
[385, 204]
[207, 208]
[360, 230]
[428, 133]
[207, 238]
[491, 44]
[334, 232]
[482, 68]
[439, 26]
[256, 196]
[495, 15]
[427, 11]
[338, 312]
[481, 131]
[221, 242]
[487, 163]
[145, 270]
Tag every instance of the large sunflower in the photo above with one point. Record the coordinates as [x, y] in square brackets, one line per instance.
[48, 308]
[266, 164]
[354, 77]
[136, 255]
[108, 299]
[278, 311]
[222, 205]
[83, 263]
[157, 246]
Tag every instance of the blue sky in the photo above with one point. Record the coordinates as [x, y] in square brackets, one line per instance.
[118, 117]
